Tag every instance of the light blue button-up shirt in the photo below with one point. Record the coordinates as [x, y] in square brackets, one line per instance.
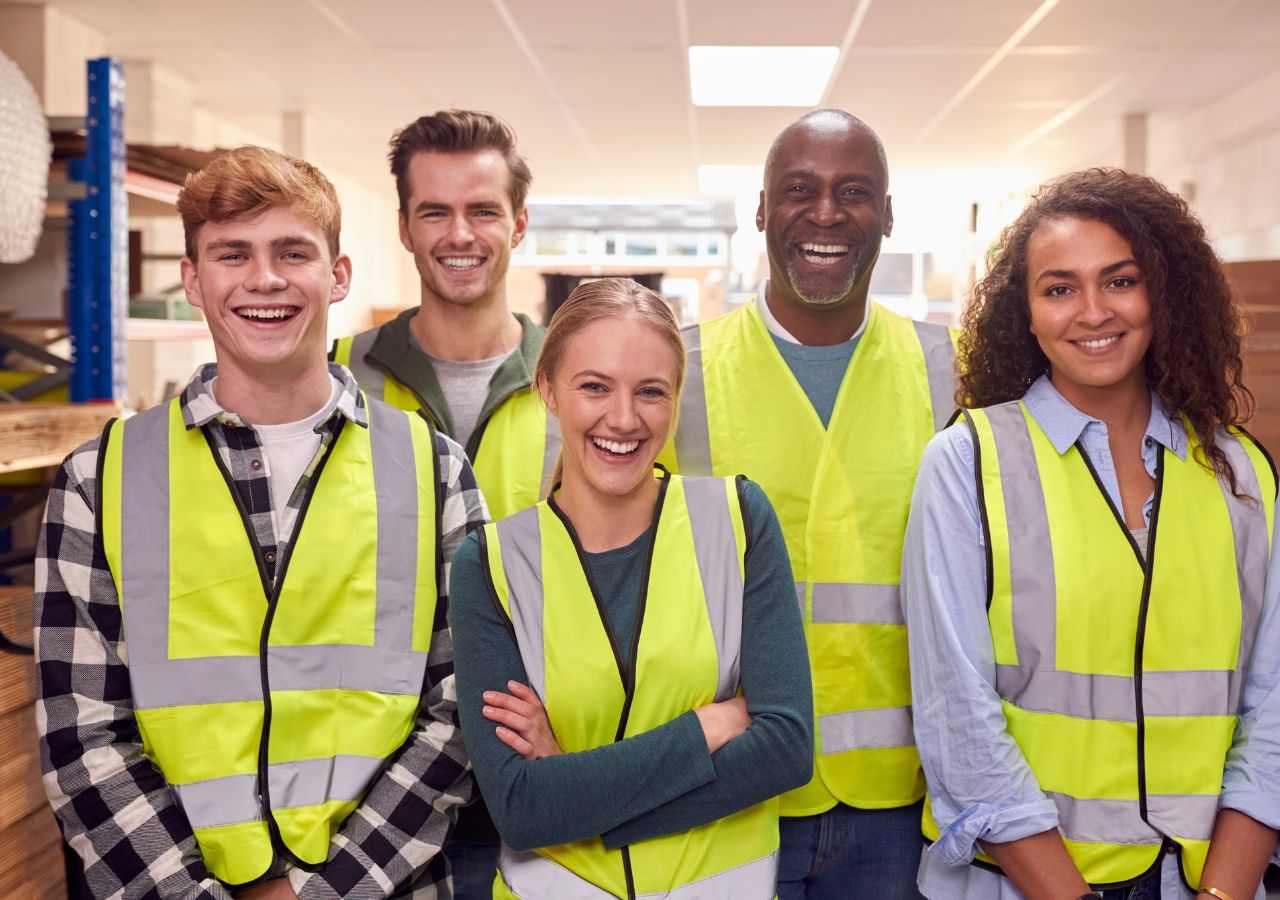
[980, 784]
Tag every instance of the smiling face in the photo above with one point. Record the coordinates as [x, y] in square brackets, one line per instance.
[824, 210]
[1089, 307]
[264, 283]
[614, 392]
[459, 225]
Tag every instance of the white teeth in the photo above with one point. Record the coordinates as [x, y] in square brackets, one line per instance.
[825, 248]
[1100, 342]
[615, 446]
[460, 262]
[273, 312]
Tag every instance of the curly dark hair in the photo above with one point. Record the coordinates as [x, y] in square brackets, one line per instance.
[1194, 363]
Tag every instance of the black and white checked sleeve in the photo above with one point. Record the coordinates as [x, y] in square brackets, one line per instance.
[115, 809]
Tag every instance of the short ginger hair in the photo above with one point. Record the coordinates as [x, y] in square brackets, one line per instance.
[249, 180]
[458, 131]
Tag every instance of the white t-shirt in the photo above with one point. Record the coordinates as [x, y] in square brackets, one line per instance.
[287, 450]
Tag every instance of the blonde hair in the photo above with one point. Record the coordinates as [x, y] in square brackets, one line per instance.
[249, 180]
[609, 298]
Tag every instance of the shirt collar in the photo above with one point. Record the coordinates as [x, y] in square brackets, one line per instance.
[775, 327]
[200, 406]
[1063, 424]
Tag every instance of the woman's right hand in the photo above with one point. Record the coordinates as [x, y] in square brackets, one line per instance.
[722, 722]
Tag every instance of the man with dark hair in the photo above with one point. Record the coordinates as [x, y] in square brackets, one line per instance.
[461, 355]
[245, 667]
[827, 400]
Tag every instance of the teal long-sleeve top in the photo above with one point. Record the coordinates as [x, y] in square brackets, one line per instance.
[664, 780]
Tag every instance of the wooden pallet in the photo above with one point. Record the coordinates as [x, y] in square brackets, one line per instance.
[33, 435]
[31, 862]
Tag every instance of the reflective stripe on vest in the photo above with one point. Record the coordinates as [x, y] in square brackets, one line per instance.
[696, 556]
[519, 444]
[345, 656]
[1127, 760]
[528, 875]
[842, 494]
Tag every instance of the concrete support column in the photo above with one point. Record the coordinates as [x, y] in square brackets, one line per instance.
[297, 133]
[1135, 142]
[161, 107]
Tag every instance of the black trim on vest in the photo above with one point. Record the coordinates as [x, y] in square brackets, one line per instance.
[955, 417]
[982, 503]
[1265, 455]
[99, 546]
[1115, 510]
[626, 672]
[272, 592]
[99, 467]
[738, 482]
[1142, 633]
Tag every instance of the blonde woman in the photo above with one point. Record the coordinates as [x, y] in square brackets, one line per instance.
[632, 674]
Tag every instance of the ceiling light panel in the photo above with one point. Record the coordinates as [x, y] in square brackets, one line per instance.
[760, 76]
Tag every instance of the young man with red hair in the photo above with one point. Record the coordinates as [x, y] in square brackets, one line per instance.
[245, 674]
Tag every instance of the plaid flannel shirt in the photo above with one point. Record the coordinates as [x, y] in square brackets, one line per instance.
[114, 806]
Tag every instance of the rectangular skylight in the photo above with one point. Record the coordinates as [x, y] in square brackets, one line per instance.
[730, 180]
[760, 76]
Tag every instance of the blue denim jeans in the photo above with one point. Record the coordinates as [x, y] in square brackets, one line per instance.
[473, 865]
[847, 853]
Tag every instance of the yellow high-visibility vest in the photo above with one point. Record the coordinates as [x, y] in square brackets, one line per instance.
[270, 708]
[685, 655]
[1120, 676]
[513, 452]
[842, 494]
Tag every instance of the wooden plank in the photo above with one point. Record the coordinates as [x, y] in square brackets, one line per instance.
[42, 878]
[27, 838]
[1257, 281]
[17, 682]
[42, 434]
[17, 673]
[21, 792]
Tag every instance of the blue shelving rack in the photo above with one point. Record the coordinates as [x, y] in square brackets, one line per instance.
[98, 243]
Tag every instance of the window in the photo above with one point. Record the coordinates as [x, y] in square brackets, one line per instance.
[641, 245]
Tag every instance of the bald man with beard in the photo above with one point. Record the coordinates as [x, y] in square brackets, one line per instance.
[827, 399]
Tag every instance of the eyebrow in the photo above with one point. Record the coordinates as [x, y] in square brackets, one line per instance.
[592, 373]
[428, 205]
[277, 244]
[1068, 273]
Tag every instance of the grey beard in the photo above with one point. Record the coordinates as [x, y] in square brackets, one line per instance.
[821, 300]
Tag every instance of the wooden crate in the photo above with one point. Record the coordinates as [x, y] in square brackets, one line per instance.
[1258, 285]
[31, 863]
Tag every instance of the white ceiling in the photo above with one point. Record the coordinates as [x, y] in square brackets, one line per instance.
[598, 89]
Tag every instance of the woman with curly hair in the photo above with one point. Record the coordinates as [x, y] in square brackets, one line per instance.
[1094, 640]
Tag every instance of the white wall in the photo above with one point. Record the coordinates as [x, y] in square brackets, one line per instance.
[1225, 158]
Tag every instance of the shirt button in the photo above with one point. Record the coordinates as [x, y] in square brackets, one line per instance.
[256, 464]
[269, 556]
[1148, 442]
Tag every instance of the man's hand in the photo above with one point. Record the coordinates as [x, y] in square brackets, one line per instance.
[722, 722]
[522, 721]
[275, 889]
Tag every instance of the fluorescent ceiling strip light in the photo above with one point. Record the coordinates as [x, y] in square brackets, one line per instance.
[760, 76]
[985, 69]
